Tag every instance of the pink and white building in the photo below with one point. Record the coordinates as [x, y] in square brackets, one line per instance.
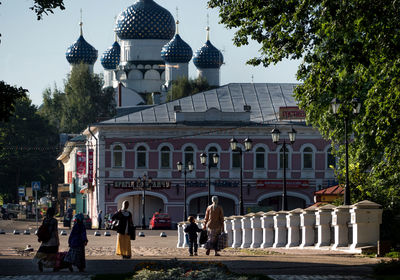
[151, 141]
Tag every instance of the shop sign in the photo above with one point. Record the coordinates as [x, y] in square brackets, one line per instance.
[226, 184]
[69, 177]
[135, 185]
[290, 184]
[291, 113]
[80, 163]
[90, 166]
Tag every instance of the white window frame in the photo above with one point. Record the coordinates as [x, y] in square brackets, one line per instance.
[170, 152]
[123, 155]
[147, 155]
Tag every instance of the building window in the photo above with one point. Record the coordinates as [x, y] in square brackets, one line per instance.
[281, 158]
[165, 157]
[260, 158]
[330, 159]
[211, 152]
[188, 155]
[117, 156]
[236, 159]
[141, 157]
[308, 158]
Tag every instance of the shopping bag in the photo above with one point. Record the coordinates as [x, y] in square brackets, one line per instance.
[132, 232]
[222, 241]
[203, 237]
[114, 225]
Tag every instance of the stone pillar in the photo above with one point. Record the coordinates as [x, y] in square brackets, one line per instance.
[307, 224]
[185, 241]
[366, 217]
[323, 220]
[267, 224]
[340, 220]
[280, 229]
[181, 236]
[246, 231]
[256, 230]
[228, 230]
[237, 231]
[293, 225]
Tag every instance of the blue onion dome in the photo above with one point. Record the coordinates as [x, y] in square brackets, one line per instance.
[145, 20]
[208, 56]
[111, 57]
[81, 51]
[177, 50]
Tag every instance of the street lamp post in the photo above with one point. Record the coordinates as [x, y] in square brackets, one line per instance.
[292, 138]
[335, 106]
[248, 145]
[180, 167]
[141, 181]
[203, 160]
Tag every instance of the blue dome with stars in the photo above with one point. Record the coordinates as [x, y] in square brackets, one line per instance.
[81, 51]
[208, 56]
[145, 20]
[177, 51]
[110, 58]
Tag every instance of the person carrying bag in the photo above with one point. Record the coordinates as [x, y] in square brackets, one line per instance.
[125, 229]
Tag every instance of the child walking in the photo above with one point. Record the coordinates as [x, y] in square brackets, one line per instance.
[77, 242]
[192, 229]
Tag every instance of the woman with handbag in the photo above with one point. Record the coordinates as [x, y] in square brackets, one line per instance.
[214, 222]
[125, 230]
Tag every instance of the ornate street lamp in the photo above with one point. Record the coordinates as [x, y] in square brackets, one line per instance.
[248, 145]
[180, 167]
[203, 160]
[141, 181]
[275, 133]
[336, 106]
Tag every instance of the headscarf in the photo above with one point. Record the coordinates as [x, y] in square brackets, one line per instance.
[122, 206]
[214, 200]
[79, 218]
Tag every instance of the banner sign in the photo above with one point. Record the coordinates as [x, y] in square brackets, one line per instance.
[69, 177]
[134, 185]
[290, 183]
[291, 113]
[80, 164]
[90, 166]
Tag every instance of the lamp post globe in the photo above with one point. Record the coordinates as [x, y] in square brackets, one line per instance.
[203, 158]
[215, 158]
[275, 133]
[233, 142]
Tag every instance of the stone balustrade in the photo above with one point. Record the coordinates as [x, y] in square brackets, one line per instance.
[329, 227]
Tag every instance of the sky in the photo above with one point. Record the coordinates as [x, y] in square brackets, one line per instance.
[32, 52]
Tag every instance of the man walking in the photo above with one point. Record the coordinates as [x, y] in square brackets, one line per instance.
[100, 218]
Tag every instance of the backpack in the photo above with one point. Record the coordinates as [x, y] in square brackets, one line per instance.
[44, 233]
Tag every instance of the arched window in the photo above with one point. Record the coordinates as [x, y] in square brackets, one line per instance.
[117, 156]
[260, 158]
[281, 158]
[308, 158]
[141, 157]
[236, 158]
[188, 155]
[330, 159]
[165, 157]
[211, 152]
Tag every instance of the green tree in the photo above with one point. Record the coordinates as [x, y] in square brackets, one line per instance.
[85, 101]
[349, 49]
[8, 97]
[28, 148]
[183, 87]
[52, 107]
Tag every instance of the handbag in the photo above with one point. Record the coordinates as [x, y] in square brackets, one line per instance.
[203, 237]
[132, 232]
[222, 242]
[114, 225]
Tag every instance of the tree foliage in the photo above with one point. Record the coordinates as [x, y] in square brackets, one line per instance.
[349, 49]
[8, 97]
[41, 7]
[28, 148]
[183, 87]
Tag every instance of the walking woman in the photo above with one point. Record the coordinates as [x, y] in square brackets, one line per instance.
[125, 228]
[47, 254]
[77, 241]
[214, 222]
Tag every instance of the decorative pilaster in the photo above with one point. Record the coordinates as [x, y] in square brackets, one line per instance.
[228, 230]
[280, 229]
[257, 233]
[267, 224]
[323, 222]
[307, 224]
[237, 231]
[340, 220]
[293, 225]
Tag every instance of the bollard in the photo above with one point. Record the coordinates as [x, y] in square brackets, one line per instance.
[2, 231]
[246, 231]
[97, 233]
[163, 234]
[366, 217]
[228, 229]
[323, 221]
[185, 235]
[16, 232]
[27, 232]
[307, 224]
[293, 225]
[340, 220]
[107, 233]
[63, 232]
[267, 224]
[280, 229]
[256, 230]
[141, 234]
[237, 231]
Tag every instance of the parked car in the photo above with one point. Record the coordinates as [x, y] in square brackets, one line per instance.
[87, 221]
[13, 210]
[160, 220]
